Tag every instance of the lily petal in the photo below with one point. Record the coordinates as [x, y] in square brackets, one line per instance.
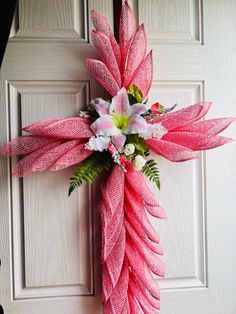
[104, 126]
[119, 141]
[137, 124]
[120, 103]
[138, 108]
[101, 106]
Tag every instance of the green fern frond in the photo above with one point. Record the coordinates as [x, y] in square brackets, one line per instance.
[151, 171]
[89, 169]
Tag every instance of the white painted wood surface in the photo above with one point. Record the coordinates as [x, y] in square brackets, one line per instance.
[49, 244]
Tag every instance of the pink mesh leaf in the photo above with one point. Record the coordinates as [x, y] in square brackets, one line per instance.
[196, 141]
[185, 116]
[153, 300]
[102, 75]
[144, 302]
[117, 300]
[144, 75]
[137, 182]
[127, 25]
[132, 231]
[134, 308]
[136, 54]
[114, 266]
[212, 126]
[24, 145]
[139, 215]
[151, 259]
[140, 269]
[101, 24]
[63, 128]
[103, 45]
[25, 166]
[52, 155]
[171, 151]
[71, 157]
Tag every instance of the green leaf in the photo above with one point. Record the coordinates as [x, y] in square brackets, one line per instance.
[139, 143]
[89, 169]
[151, 171]
[135, 94]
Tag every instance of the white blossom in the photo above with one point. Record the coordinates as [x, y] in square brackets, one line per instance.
[139, 162]
[129, 149]
[156, 130]
[99, 143]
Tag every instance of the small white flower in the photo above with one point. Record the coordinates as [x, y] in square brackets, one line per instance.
[99, 143]
[129, 149]
[156, 130]
[139, 162]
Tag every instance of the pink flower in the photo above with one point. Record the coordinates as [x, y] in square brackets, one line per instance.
[118, 119]
[185, 135]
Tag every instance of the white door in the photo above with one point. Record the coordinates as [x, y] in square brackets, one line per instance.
[49, 244]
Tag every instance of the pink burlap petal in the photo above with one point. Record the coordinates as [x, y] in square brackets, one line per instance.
[145, 304]
[136, 212]
[212, 126]
[25, 166]
[183, 117]
[52, 155]
[117, 300]
[151, 259]
[195, 140]
[144, 75]
[141, 270]
[102, 75]
[127, 25]
[24, 145]
[70, 128]
[136, 54]
[171, 151]
[103, 45]
[101, 24]
[71, 157]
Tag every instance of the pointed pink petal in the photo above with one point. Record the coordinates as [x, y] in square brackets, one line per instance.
[71, 157]
[62, 128]
[115, 260]
[24, 145]
[171, 151]
[196, 141]
[183, 116]
[25, 166]
[144, 75]
[119, 141]
[134, 307]
[103, 45]
[52, 155]
[144, 302]
[120, 103]
[138, 108]
[140, 269]
[212, 126]
[137, 124]
[151, 259]
[104, 126]
[127, 25]
[102, 106]
[102, 75]
[117, 300]
[101, 24]
[136, 54]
